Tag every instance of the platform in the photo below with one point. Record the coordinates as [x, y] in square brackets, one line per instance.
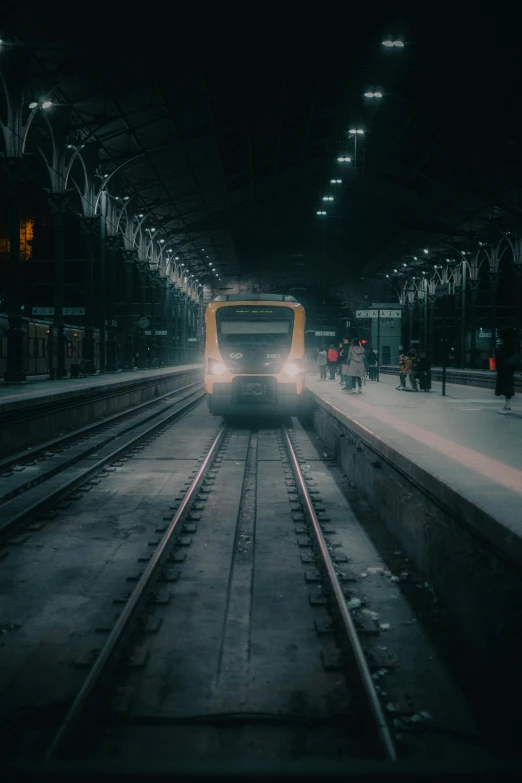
[462, 376]
[459, 440]
[39, 391]
[35, 412]
[444, 475]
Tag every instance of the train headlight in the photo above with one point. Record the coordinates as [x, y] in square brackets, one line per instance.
[216, 368]
[291, 369]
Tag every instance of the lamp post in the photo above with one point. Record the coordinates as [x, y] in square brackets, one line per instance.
[355, 132]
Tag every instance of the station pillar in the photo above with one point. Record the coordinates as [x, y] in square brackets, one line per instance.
[113, 252]
[141, 357]
[89, 235]
[128, 348]
[153, 345]
[57, 204]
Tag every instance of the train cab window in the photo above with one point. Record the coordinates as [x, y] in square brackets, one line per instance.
[69, 349]
[79, 349]
[255, 338]
[43, 346]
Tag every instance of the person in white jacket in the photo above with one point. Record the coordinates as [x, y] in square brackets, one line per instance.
[354, 369]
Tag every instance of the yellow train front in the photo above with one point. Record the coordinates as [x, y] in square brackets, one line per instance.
[255, 355]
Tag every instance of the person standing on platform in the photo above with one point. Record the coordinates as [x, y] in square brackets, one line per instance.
[344, 347]
[332, 361]
[508, 360]
[353, 368]
[322, 362]
[412, 374]
[371, 362]
[424, 371]
[340, 361]
[404, 368]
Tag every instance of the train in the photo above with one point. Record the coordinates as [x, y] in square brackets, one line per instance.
[255, 355]
[35, 345]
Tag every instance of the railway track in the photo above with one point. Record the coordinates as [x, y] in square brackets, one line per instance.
[126, 636]
[237, 625]
[32, 483]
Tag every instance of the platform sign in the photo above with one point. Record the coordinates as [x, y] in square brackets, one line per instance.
[74, 311]
[376, 313]
[325, 334]
[161, 332]
[192, 339]
[43, 310]
[444, 289]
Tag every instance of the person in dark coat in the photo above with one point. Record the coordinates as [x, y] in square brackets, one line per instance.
[508, 360]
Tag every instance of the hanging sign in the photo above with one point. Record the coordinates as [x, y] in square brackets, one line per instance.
[162, 332]
[43, 310]
[74, 310]
[325, 334]
[375, 313]
[192, 339]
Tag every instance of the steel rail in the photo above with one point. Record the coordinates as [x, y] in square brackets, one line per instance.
[39, 505]
[379, 720]
[83, 700]
[62, 440]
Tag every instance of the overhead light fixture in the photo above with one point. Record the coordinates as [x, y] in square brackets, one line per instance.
[344, 160]
[373, 94]
[33, 105]
[425, 251]
[328, 198]
[140, 215]
[359, 131]
[405, 264]
[176, 258]
[47, 104]
[393, 43]
[336, 181]
[162, 240]
[126, 198]
[414, 258]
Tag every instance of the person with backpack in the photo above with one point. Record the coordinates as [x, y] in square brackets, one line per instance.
[332, 357]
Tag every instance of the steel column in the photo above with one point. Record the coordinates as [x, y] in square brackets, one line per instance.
[113, 253]
[141, 354]
[153, 345]
[57, 204]
[89, 232]
[128, 350]
[14, 372]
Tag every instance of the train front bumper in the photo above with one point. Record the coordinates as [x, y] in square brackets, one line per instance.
[255, 395]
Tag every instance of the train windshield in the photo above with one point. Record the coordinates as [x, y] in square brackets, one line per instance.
[255, 337]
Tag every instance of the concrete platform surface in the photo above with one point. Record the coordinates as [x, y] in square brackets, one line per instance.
[12, 396]
[458, 442]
